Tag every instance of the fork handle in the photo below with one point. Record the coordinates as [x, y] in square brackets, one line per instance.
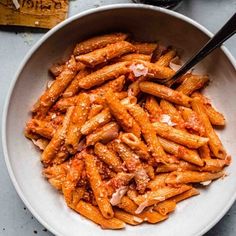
[223, 34]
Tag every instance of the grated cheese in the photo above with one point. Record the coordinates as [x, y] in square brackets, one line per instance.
[16, 4]
[139, 69]
[167, 120]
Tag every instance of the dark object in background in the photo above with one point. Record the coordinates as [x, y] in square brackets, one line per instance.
[160, 3]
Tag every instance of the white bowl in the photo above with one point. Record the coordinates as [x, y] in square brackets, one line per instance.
[192, 217]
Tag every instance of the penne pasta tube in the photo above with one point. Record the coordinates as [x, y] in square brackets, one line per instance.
[215, 117]
[214, 141]
[127, 205]
[153, 108]
[54, 147]
[133, 164]
[165, 207]
[115, 85]
[109, 157]
[50, 96]
[148, 133]
[56, 175]
[135, 56]
[157, 182]
[153, 197]
[192, 83]
[56, 69]
[190, 193]
[179, 136]
[133, 88]
[74, 172]
[145, 48]
[204, 152]
[136, 145]
[75, 196]
[106, 73]
[92, 213]
[40, 127]
[127, 218]
[152, 217]
[73, 88]
[165, 59]
[105, 134]
[181, 152]
[175, 117]
[97, 186]
[78, 118]
[98, 42]
[63, 103]
[105, 54]
[150, 171]
[192, 121]
[95, 122]
[121, 114]
[165, 93]
[94, 110]
[184, 177]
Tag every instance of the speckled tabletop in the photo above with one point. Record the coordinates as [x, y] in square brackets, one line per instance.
[15, 219]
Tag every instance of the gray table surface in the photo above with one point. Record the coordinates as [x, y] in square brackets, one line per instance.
[15, 219]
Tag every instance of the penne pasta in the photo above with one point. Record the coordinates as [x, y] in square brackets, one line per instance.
[192, 83]
[133, 89]
[121, 114]
[148, 133]
[98, 42]
[165, 59]
[105, 54]
[175, 117]
[95, 122]
[165, 93]
[92, 213]
[153, 197]
[128, 218]
[50, 96]
[135, 56]
[97, 186]
[157, 182]
[109, 157]
[115, 85]
[153, 108]
[184, 177]
[73, 88]
[63, 103]
[78, 118]
[136, 145]
[145, 48]
[133, 164]
[179, 136]
[106, 73]
[214, 141]
[56, 69]
[152, 217]
[54, 148]
[105, 134]
[40, 127]
[192, 121]
[165, 207]
[127, 205]
[94, 110]
[215, 117]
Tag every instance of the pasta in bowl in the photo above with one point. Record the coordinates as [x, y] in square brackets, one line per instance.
[155, 27]
[121, 148]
